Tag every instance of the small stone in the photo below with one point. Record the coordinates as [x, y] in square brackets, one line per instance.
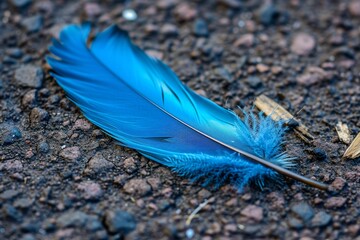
[9, 60]
[29, 99]
[169, 30]
[118, 221]
[72, 219]
[232, 228]
[354, 8]
[213, 228]
[130, 165]
[91, 190]
[321, 219]
[352, 176]
[254, 82]
[336, 40]
[93, 224]
[184, 12]
[262, 68]
[14, 52]
[54, 99]
[70, 153]
[43, 147]
[92, 9]
[335, 202]
[295, 223]
[11, 166]
[276, 199]
[156, 54]
[246, 40]
[33, 23]
[11, 213]
[20, 4]
[347, 63]
[338, 184]
[354, 230]
[276, 70]
[223, 73]
[38, 115]
[204, 194]
[303, 44]
[10, 134]
[200, 28]
[29, 76]
[253, 212]
[165, 4]
[82, 124]
[270, 14]
[319, 153]
[312, 76]
[23, 203]
[129, 14]
[154, 183]
[137, 187]
[303, 210]
[9, 194]
[151, 28]
[97, 164]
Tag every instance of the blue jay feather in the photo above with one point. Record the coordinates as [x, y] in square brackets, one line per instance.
[141, 103]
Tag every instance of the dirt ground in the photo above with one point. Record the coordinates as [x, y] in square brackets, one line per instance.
[62, 178]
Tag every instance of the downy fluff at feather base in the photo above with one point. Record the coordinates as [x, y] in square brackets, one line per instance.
[140, 102]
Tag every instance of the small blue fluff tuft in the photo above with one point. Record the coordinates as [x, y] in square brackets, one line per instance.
[256, 132]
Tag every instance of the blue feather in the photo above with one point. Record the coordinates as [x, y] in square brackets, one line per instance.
[140, 102]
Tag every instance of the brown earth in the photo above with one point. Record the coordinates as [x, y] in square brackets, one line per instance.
[62, 178]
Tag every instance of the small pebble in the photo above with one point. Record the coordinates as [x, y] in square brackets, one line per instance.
[70, 153]
[29, 76]
[33, 23]
[321, 219]
[303, 210]
[184, 12]
[129, 14]
[253, 212]
[137, 187]
[119, 221]
[303, 44]
[335, 202]
[246, 40]
[200, 28]
[90, 190]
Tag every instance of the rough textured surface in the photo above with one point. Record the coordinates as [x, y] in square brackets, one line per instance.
[62, 178]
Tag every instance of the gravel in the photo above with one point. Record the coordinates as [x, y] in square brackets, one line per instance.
[62, 178]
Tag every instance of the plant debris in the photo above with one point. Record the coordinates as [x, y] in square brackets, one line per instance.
[353, 150]
[343, 132]
[277, 112]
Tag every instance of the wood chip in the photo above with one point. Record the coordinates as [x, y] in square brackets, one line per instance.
[277, 112]
[343, 132]
[353, 150]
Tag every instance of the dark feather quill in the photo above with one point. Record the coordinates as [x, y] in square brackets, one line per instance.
[140, 102]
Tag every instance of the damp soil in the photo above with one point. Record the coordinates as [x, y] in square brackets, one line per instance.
[62, 178]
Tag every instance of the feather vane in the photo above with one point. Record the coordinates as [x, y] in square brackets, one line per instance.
[140, 102]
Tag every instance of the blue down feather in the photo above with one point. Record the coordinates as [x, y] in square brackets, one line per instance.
[140, 102]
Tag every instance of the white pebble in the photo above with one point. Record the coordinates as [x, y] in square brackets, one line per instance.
[190, 233]
[129, 14]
